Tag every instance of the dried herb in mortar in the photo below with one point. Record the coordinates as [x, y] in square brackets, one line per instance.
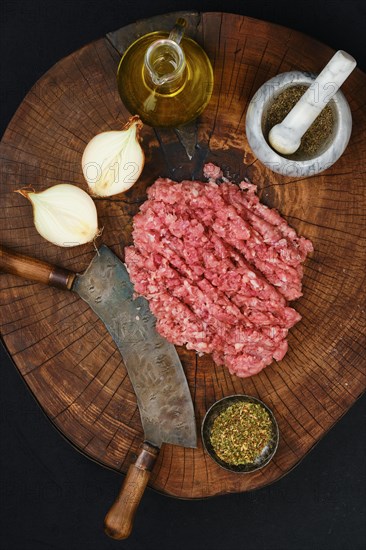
[315, 136]
[241, 432]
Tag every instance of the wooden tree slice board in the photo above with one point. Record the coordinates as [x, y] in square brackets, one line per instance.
[61, 349]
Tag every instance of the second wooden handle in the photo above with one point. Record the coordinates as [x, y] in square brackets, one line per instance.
[119, 520]
[35, 270]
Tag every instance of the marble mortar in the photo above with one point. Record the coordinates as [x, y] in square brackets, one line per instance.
[325, 157]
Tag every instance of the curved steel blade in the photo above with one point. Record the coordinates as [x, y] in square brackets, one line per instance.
[153, 365]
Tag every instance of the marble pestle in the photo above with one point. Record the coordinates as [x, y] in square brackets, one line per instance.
[285, 137]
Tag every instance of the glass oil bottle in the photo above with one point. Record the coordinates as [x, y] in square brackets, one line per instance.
[166, 79]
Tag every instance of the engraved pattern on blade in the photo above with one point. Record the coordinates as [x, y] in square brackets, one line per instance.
[153, 365]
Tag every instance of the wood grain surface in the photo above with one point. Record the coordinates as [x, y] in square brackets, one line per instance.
[61, 349]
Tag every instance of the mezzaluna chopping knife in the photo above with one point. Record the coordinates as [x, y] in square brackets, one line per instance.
[153, 365]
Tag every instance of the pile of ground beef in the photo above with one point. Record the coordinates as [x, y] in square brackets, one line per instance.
[218, 269]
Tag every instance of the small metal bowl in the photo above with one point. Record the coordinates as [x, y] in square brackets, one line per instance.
[213, 412]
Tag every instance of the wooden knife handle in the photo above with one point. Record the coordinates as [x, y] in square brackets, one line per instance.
[35, 270]
[119, 520]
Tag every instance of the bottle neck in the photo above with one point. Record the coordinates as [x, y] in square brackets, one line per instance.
[165, 66]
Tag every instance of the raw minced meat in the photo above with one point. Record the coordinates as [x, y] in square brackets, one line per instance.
[218, 269]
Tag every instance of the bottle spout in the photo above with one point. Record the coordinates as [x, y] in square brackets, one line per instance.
[164, 59]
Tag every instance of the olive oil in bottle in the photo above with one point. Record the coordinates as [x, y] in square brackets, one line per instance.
[166, 79]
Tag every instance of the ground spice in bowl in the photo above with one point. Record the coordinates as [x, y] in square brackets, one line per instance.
[240, 433]
[316, 137]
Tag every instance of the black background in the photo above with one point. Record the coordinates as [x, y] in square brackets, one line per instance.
[52, 497]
